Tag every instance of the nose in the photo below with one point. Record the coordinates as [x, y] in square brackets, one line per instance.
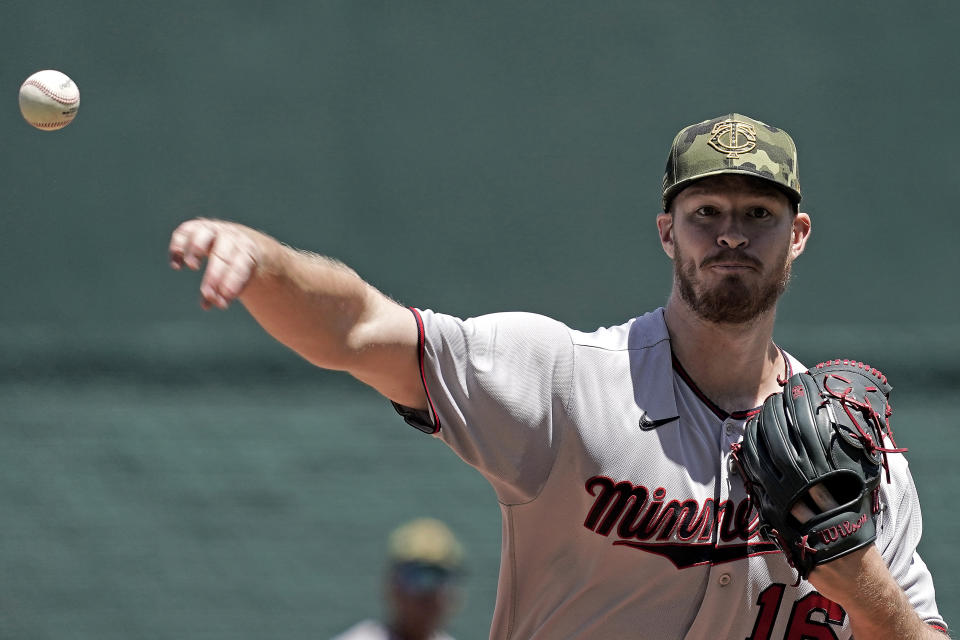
[731, 236]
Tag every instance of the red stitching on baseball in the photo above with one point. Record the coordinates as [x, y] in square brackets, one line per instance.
[59, 98]
[50, 125]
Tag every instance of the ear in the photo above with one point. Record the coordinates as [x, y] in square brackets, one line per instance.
[665, 229]
[800, 234]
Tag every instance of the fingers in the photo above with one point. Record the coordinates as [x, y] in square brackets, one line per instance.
[230, 253]
[190, 243]
[821, 497]
[229, 269]
[801, 512]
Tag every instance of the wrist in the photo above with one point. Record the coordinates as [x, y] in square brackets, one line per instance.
[861, 583]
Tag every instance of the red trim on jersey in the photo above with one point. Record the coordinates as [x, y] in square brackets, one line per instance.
[720, 413]
[787, 366]
[937, 626]
[421, 346]
[743, 415]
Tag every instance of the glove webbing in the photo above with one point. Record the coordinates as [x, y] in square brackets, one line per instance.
[870, 414]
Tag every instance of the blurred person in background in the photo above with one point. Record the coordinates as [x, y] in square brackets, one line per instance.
[420, 590]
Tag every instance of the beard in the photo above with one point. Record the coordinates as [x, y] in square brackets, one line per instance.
[732, 300]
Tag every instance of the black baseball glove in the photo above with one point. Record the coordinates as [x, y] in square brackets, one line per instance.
[812, 460]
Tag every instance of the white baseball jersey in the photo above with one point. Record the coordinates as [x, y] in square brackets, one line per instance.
[373, 630]
[622, 514]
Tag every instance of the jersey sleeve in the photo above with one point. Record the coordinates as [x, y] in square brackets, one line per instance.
[497, 385]
[900, 528]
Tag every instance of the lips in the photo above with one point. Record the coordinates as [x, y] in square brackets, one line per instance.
[731, 262]
[731, 265]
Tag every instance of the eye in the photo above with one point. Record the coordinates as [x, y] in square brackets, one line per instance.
[758, 212]
[706, 212]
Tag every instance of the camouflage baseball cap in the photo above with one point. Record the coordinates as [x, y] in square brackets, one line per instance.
[731, 143]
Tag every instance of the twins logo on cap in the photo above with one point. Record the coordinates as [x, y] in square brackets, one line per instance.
[733, 137]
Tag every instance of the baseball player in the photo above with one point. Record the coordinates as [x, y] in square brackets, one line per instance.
[421, 585]
[610, 452]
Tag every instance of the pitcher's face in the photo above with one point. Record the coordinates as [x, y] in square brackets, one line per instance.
[732, 239]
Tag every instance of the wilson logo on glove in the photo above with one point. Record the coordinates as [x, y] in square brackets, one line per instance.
[842, 530]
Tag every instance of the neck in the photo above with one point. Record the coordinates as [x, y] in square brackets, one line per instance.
[735, 365]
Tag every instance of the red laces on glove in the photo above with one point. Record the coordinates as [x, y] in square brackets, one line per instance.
[869, 414]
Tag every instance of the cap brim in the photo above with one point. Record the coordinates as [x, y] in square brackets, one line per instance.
[671, 193]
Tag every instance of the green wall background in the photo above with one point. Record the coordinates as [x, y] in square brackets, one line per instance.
[467, 157]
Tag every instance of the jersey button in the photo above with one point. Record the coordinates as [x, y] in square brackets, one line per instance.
[724, 579]
[730, 429]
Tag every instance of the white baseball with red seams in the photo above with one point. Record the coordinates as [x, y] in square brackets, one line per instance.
[49, 100]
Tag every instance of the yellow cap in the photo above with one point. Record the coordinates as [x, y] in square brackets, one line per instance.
[426, 541]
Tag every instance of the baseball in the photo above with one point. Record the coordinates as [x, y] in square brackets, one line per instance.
[49, 100]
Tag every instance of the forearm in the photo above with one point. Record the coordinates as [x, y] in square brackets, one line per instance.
[877, 606]
[312, 304]
[317, 306]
